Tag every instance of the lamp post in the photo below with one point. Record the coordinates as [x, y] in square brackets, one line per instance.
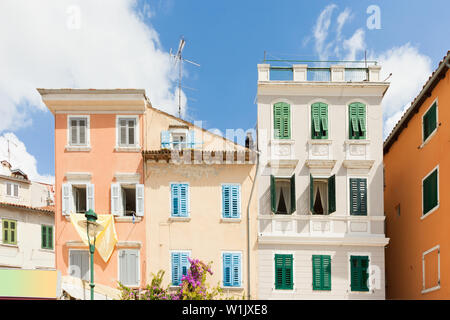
[92, 228]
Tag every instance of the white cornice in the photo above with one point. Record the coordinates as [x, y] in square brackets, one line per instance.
[328, 241]
[358, 164]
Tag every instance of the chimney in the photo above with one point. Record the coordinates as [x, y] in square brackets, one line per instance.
[249, 141]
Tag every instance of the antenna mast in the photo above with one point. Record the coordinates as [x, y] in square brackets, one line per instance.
[179, 59]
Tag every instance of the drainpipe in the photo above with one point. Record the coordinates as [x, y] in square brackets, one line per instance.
[248, 214]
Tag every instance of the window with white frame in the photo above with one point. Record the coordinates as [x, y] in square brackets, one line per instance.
[12, 189]
[431, 269]
[77, 197]
[232, 274]
[78, 130]
[79, 264]
[179, 265]
[127, 132]
[231, 203]
[129, 267]
[178, 139]
[127, 199]
[430, 191]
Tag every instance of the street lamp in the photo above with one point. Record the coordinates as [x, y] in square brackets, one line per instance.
[92, 228]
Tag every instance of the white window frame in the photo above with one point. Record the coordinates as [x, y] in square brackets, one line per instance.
[240, 201]
[424, 142]
[242, 269]
[347, 121]
[13, 185]
[136, 132]
[189, 252]
[76, 184]
[139, 266]
[70, 261]
[425, 290]
[423, 216]
[187, 200]
[294, 287]
[173, 132]
[88, 126]
[349, 272]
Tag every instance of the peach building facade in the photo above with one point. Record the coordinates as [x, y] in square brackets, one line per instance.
[416, 201]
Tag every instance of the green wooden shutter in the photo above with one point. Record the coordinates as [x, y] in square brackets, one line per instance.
[354, 198]
[317, 270]
[288, 271]
[332, 194]
[430, 192]
[429, 121]
[324, 120]
[286, 121]
[293, 197]
[321, 272]
[362, 119]
[353, 121]
[277, 118]
[326, 273]
[284, 271]
[272, 194]
[43, 237]
[363, 197]
[311, 193]
[358, 272]
[279, 264]
[315, 120]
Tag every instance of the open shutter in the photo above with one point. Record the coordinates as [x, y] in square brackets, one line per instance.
[316, 269]
[286, 121]
[191, 139]
[326, 273]
[176, 278]
[362, 117]
[165, 139]
[353, 123]
[236, 270]
[227, 269]
[115, 199]
[90, 197]
[332, 194]
[43, 236]
[184, 264]
[66, 198]
[272, 194]
[311, 193]
[363, 197]
[324, 119]
[184, 200]
[293, 196]
[235, 202]
[315, 115]
[50, 237]
[277, 115]
[140, 200]
[226, 202]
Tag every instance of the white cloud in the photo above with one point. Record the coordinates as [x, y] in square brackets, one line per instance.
[42, 46]
[21, 159]
[354, 44]
[342, 18]
[321, 32]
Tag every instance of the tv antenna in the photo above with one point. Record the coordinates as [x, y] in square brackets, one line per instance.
[9, 153]
[179, 59]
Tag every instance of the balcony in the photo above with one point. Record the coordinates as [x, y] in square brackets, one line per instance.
[334, 73]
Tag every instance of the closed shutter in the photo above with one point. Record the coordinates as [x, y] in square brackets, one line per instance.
[317, 272]
[8, 189]
[272, 194]
[235, 202]
[324, 120]
[227, 267]
[140, 200]
[226, 202]
[363, 196]
[288, 272]
[165, 139]
[175, 195]
[430, 191]
[332, 194]
[279, 265]
[66, 198]
[43, 237]
[429, 121]
[79, 264]
[286, 121]
[358, 196]
[184, 200]
[132, 267]
[73, 132]
[50, 237]
[115, 199]
[90, 194]
[176, 268]
[82, 131]
[9, 231]
[236, 270]
[358, 272]
[283, 271]
[184, 264]
[293, 196]
[123, 275]
[326, 272]
[277, 119]
[282, 119]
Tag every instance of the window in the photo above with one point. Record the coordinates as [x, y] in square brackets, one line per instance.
[322, 195]
[429, 121]
[231, 204]
[358, 272]
[129, 267]
[178, 139]
[282, 195]
[358, 196]
[282, 120]
[180, 266]
[430, 191]
[357, 120]
[79, 264]
[321, 266]
[127, 131]
[12, 189]
[319, 120]
[431, 269]
[78, 131]
[179, 199]
[231, 269]
[127, 199]
[9, 231]
[284, 272]
[46, 237]
[77, 198]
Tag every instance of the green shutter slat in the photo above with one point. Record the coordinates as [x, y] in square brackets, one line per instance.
[315, 115]
[363, 197]
[332, 194]
[277, 118]
[272, 194]
[353, 196]
[293, 196]
[284, 271]
[362, 117]
[326, 269]
[353, 121]
[286, 121]
[324, 119]
[316, 266]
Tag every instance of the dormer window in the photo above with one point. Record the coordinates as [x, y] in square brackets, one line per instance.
[178, 139]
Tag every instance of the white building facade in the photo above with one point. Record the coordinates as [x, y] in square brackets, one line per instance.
[26, 221]
[320, 184]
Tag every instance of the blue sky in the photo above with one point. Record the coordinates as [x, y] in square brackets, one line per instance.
[228, 39]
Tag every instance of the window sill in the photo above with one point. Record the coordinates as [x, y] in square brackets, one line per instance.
[320, 141]
[77, 148]
[357, 141]
[428, 138]
[430, 212]
[128, 149]
[431, 289]
[127, 219]
[230, 220]
[179, 219]
[9, 245]
[230, 288]
[282, 141]
[47, 250]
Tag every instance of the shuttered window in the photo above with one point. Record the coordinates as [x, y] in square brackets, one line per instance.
[78, 130]
[46, 237]
[278, 206]
[231, 204]
[284, 272]
[180, 266]
[179, 199]
[79, 264]
[358, 196]
[357, 120]
[358, 272]
[319, 120]
[129, 267]
[429, 121]
[321, 265]
[9, 231]
[430, 191]
[232, 273]
[282, 120]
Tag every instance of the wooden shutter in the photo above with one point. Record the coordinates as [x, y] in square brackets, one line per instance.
[354, 198]
[286, 121]
[279, 266]
[363, 196]
[324, 119]
[184, 200]
[115, 199]
[175, 201]
[184, 264]
[165, 139]
[132, 267]
[226, 201]
[140, 200]
[43, 237]
[317, 272]
[293, 196]
[288, 271]
[191, 139]
[429, 121]
[50, 237]
[311, 193]
[13, 232]
[90, 197]
[66, 192]
[353, 121]
[315, 120]
[82, 131]
[362, 118]
[326, 273]
[277, 119]
[235, 202]
[332, 194]
[73, 136]
[359, 276]
[176, 264]
[227, 267]
[283, 271]
[236, 270]
[272, 194]
[430, 191]
[79, 264]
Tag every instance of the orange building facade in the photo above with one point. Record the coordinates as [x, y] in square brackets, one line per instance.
[98, 145]
[417, 194]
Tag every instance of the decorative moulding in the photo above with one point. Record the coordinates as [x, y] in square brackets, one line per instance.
[358, 164]
[283, 163]
[320, 164]
[127, 177]
[129, 244]
[86, 176]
